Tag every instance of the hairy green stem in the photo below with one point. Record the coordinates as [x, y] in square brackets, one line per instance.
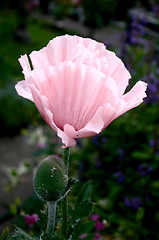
[51, 206]
[65, 157]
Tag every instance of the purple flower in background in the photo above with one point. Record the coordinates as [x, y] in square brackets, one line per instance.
[99, 226]
[137, 31]
[136, 203]
[144, 169]
[121, 153]
[103, 139]
[152, 142]
[84, 235]
[98, 164]
[127, 202]
[97, 236]
[155, 8]
[94, 217]
[153, 87]
[96, 140]
[119, 176]
[31, 220]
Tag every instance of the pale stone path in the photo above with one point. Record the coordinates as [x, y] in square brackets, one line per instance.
[12, 152]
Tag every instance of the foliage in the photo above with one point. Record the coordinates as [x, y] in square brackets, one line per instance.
[98, 12]
[78, 224]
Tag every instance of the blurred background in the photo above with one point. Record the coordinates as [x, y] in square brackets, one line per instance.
[122, 162]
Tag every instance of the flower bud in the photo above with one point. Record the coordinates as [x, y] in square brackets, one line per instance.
[50, 179]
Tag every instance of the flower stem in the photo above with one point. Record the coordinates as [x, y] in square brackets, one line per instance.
[51, 219]
[64, 208]
[65, 158]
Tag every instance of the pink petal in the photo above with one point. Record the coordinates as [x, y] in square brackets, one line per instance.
[65, 48]
[41, 103]
[117, 71]
[100, 120]
[71, 99]
[66, 140]
[25, 64]
[23, 90]
[133, 98]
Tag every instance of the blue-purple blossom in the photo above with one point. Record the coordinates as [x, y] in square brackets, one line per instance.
[127, 202]
[153, 87]
[96, 140]
[119, 176]
[144, 169]
[152, 142]
[121, 153]
[134, 202]
[98, 164]
[137, 31]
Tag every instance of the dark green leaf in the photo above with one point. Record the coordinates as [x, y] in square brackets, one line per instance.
[42, 223]
[82, 210]
[85, 192]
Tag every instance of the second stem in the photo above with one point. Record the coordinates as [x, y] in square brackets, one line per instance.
[65, 158]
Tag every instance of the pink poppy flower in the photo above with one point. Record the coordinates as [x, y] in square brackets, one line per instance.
[78, 86]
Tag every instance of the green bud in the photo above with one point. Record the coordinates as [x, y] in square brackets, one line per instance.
[50, 179]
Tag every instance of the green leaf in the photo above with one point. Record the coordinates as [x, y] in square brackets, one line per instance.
[84, 192]
[20, 235]
[87, 227]
[82, 210]
[140, 214]
[5, 234]
[42, 223]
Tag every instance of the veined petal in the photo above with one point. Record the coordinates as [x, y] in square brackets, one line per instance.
[65, 48]
[23, 90]
[41, 103]
[100, 120]
[78, 93]
[117, 71]
[24, 62]
[66, 140]
[133, 98]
